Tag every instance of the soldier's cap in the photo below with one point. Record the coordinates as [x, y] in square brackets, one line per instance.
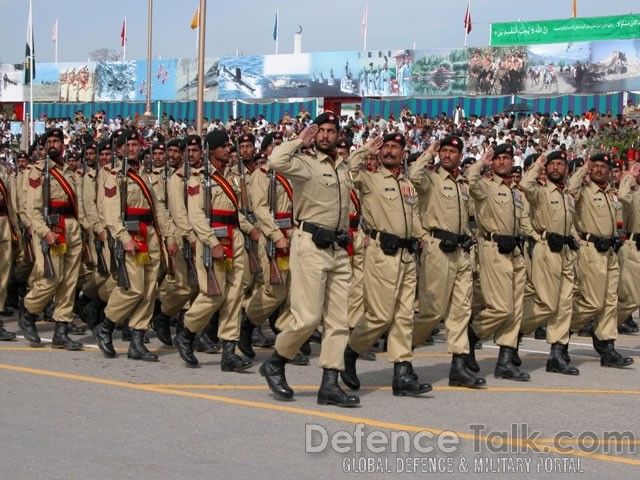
[504, 148]
[601, 157]
[176, 142]
[247, 138]
[528, 161]
[267, 140]
[344, 143]
[22, 154]
[577, 162]
[328, 117]
[453, 141]
[618, 164]
[72, 155]
[259, 156]
[395, 137]
[126, 136]
[412, 158]
[104, 145]
[516, 169]
[116, 133]
[216, 139]
[158, 146]
[557, 155]
[53, 133]
[192, 141]
[468, 161]
[92, 145]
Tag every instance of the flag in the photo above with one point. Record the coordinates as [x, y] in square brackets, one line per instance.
[467, 18]
[194, 20]
[54, 32]
[123, 33]
[364, 20]
[29, 62]
[574, 9]
[275, 28]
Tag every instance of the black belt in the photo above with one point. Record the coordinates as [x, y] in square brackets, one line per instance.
[140, 217]
[354, 222]
[3, 209]
[402, 242]
[587, 237]
[494, 237]
[324, 237]
[632, 236]
[231, 220]
[449, 236]
[565, 239]
[66, 211]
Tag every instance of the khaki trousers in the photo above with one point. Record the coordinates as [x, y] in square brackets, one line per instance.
[6, 258]
[355, 305]
[629, 285]
[174, 292]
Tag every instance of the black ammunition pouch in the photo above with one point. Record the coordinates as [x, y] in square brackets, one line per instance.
[603, 244]
[390, 244]
[450, 242]
[324, 238]
[506, 243]
[556, 242]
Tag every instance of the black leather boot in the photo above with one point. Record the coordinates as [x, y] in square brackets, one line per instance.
[505, 367]
[126, 333]
[540, 333]
[405, 381]
[258, 339]
[48, 311]
[272, 369]
[73, 329]
[246, 338]
[6, 336]
[470, 359]
[184, 342]
[565, 353]
[300, 360]
[460, 376]
[330, 392]
[369, 356]
[349, 375]
[160, 324]
[516, 356]
[6, 312]
[556, 362]
[316, 337]
[202, 343]
[103, 334]
[305, 349]
[230, 361]
[61, 339]
[92, 312]
[27, 322]
[137, 350]
[611, 358]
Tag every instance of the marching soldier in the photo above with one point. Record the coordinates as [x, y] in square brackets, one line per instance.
[138, 224]
[445, 284]
[598, 270]
[52, 207]
[502, 270]
[8, 237]
[389, 206]
[553, 252]
[319, 264]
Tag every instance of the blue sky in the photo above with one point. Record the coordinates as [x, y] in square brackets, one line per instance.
[328, 25]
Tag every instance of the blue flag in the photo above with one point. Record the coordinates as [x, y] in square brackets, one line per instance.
[275, 28]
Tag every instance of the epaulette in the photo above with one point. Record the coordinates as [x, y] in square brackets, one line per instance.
[180, 174]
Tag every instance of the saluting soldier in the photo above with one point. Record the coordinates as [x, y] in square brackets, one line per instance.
[389, 206]
[319, 265]
[139, 229]
[553, 254]
[502, 271]
[445, 284]
[8, 238]
[598, 270]
[61, 234]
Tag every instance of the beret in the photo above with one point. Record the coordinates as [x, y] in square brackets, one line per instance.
[395, 137]
[453, 141]
[555, 155]
[516, 169]
[468, 161]
[216, 139]
[528, 161]
[191, 141]
[176, 142]
[126, 136]
[92, 145]
[327, 117]
[104, 145]
[158, 146]
[344, 143]
[601, 157]
[22, 154]
[53, 133]
[248, 138]
[504, 148]
[267, 140]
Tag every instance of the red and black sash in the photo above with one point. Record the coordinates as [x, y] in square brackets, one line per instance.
[226, 188]
[146, 192]
[286, 185]
[5, 207]
[66, 187]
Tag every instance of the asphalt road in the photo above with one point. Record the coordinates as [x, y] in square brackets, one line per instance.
[78, 415]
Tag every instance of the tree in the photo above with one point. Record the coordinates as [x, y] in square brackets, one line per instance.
[104, 55]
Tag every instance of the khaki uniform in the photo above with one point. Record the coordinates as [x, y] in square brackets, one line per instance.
[267, 297]
[356, 295]
[552, 273]
[629, 253]
[598, 272]
[389, 205]
[320, 278]
[65, 257]
[502, 276]
[107, 286]
[94, 226]
[19, 200]
[7, 236]
[445, 285]
[136, 303]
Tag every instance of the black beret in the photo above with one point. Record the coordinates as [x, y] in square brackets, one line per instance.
[192, 141]
[71, 155]
[126, 136]
[277, 136]
[104, 145]
[267, 140]
[413, 157]
[327, 117]
[557, 155]
[453, 141]
[158, 146]
[248, 138]
[344, 143]
[395, 137]
[259, 156]
[504, 148]
[601, 157]
[617, 164]
[92, 145]
[176, 142]
[575, 163]
[117, 133]
[468, 161]
[22, 154]
[528, 161]
[53, 132]
[216, 138]
[516, 169]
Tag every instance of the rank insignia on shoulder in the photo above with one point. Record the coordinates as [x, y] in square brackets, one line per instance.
[193, 190]
[34, 182]
[110, 192]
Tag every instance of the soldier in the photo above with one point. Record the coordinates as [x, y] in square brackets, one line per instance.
[319, 264]
[598, 270]
[445, 284]
[389, 206]
[218, 226]
[55, 221]
[138, 229]
[502, 271]
[8, 237]
[552, 248]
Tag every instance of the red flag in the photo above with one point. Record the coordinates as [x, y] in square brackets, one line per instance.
[467, 18]
[123, 33]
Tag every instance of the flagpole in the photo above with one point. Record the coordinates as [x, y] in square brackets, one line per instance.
[31, 67]
[466, 28]
[202, 17]
[57, 27]
[277, 29]
[366, 27]
[124, 42]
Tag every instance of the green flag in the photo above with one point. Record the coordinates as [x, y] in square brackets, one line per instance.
[29, 54]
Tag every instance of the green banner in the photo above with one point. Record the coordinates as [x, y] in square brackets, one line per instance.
[565, 31]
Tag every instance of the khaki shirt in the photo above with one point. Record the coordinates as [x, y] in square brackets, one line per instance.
[21, 196]
[595, 207]
[260, 184]
[629, 196]
[89, 197]
[320, 190]
[498, 207]
[233, 177]
[551, 208]
[157, 181]
[443, 200]
[176, 204]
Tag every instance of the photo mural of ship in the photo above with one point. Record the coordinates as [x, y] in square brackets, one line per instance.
[116, 81]
[187, 79]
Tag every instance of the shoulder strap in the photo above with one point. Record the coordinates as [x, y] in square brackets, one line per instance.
[287, 186]
[227, 188]
[55, 173]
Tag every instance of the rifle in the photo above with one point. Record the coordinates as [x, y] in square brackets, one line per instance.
[113, 267]
[187, 253]
[87, 258]
[123, 275]
[29, 254]
[275, 277]
[213, 289]
[49, 220]
[101, 262]
[254, 263]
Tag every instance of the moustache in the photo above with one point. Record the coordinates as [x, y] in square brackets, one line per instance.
[53, 153]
